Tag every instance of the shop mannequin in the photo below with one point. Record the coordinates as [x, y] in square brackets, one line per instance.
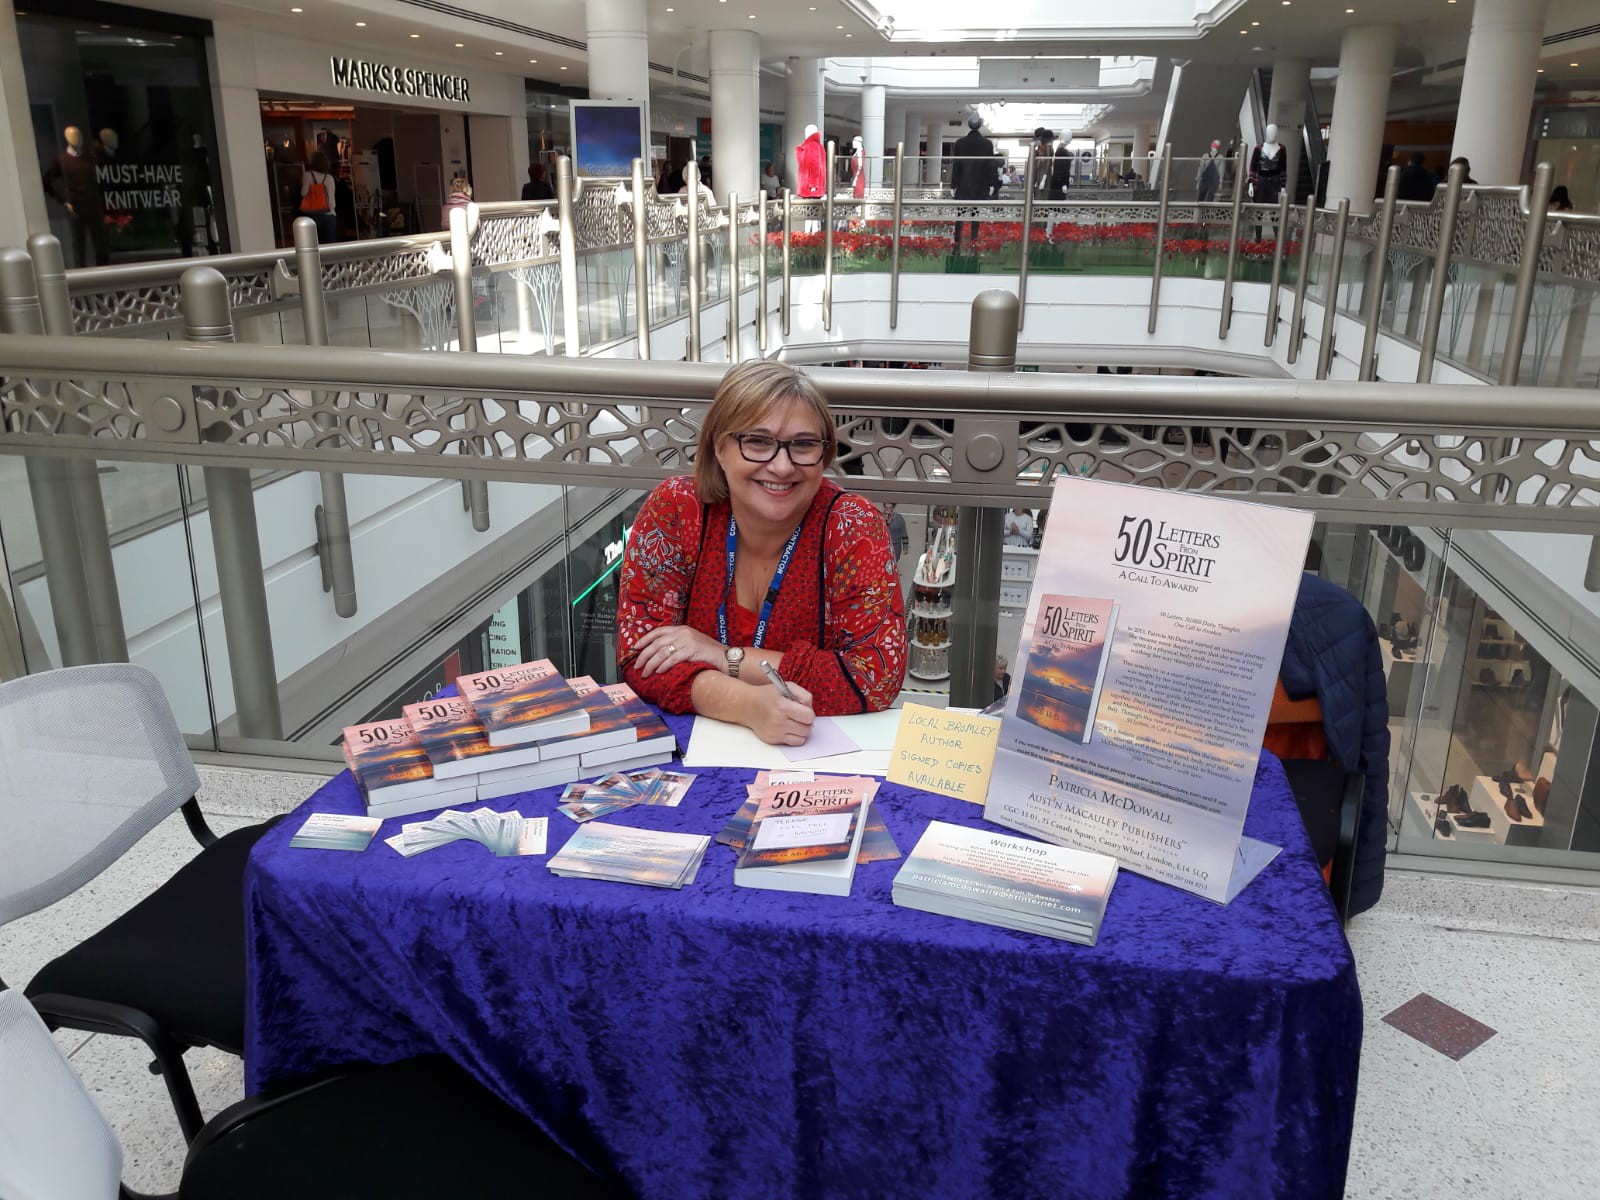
[106, 150]
[1269, 167]
[1209, 177]
[71, 180]
[858, 167]
[811, 161]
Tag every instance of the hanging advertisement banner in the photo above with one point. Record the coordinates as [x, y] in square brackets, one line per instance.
[607, 135]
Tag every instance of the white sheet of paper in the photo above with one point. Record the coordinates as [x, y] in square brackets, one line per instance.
[805, 829]
[722, 744]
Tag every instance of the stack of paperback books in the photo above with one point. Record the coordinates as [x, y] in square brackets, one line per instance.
[511, 730]
[804, 835]
[647, 856]
[1009, 881]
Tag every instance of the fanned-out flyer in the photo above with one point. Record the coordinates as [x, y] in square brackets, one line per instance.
[1151, 647]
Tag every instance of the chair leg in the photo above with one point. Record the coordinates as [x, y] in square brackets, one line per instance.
[121, 1021]
[1344, 856]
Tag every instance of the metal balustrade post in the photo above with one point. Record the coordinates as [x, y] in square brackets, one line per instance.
[641, 260]
[1226, 319]
[691, 179]
[1527, 274]
[1330, 309]
[1591, 569]
[467, 343]
[1372, 309]
[1027, 238]
[1161, 234]
[50, 487]
[788, 235]
[827, 240]
[566, 198]
[82, 475]
[235, 539]
[332, 517]
[1297, 320]
[1277, 269]
[894, 234]
[1441, 272]
[732, 335]
[761, 275]
[986, 450]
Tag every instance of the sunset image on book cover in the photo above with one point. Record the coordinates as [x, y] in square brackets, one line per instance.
[1060, 687]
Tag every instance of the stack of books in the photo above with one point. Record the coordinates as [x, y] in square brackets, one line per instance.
[877, 843]
[622, 855]
[510, 730]
[1009, 881]
[805, 836]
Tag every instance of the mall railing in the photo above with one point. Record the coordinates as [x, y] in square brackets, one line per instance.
[595, 435]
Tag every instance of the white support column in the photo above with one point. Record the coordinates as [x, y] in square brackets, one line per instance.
[735, 112]
[1291, 84]
[619, 44]
[22, 212]
[931, 130]
[894, 132]
[872, 98]
[803, 107]
[247, 190]
[1497, 88]
[1143, 143]
[1360, 104]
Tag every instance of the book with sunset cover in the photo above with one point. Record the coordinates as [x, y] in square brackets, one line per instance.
[388, 761]
[1060, 686]
[609, 725]
[529, 702]
[624, 855]
[805, 837]
[455, 741]
[652, 741]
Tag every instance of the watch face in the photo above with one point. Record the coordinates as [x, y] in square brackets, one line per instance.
[736, 654]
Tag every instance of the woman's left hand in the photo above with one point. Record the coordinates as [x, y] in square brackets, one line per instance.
[668, 646]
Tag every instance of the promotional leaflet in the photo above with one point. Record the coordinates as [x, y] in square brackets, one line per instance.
[1151, 647]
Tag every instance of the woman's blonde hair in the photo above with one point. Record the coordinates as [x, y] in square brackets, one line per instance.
[747, 393]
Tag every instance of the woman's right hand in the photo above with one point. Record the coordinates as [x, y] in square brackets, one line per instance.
[777, 721]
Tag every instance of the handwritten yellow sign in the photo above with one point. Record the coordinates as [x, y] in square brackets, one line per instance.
[945, 752]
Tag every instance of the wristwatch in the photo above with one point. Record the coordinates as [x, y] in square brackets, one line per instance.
[735, 658]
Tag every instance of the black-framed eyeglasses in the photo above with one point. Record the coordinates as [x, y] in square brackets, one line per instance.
[806, 451]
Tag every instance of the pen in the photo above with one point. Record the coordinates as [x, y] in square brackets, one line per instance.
[777, 680]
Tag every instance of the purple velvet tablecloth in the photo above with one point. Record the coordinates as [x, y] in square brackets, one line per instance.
[722, 1041]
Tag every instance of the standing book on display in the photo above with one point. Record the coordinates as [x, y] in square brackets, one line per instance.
[1151, 645]
[805, 837]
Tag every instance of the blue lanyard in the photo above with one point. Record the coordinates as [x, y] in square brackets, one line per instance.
[772, 588]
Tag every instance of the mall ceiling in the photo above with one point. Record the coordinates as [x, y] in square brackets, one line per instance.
[546, 39]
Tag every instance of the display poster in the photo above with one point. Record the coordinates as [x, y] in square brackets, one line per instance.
[607, 136]
[1148, 658]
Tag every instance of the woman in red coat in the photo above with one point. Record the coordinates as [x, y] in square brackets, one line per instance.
[757, 557]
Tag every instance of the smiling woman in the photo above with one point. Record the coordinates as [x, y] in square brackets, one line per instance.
[759, 558]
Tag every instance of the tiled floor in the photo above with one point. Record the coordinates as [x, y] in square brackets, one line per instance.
[1518, 1115]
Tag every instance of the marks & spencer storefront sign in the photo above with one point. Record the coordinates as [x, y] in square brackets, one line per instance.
[390, 80]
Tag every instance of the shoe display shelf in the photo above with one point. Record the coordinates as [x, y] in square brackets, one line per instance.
[1485, 797]
[931, 587]
[1425, 805]
[1503, 660]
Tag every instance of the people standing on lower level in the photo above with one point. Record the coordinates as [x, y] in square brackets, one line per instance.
[899, 537]
[317, 191]
[770, 183]
[1416, 181]
[1018, 526]
[537, 187]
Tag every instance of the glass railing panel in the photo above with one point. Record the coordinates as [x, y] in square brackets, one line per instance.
[1477, 316]
[669, 280]
[1560, 349]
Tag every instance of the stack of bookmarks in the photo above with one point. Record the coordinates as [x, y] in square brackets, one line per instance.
[622, 855]
[799, 832]
[623, 789]
[1009, 881]
[511, 730]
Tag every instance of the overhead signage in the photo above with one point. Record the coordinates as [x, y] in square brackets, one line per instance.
[358, 74]
[1148, 659]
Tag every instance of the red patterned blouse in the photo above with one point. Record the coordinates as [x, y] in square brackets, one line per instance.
[839, 621]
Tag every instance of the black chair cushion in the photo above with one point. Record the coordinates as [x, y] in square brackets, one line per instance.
[1319, 787]
[177, 955]
[420, 1128]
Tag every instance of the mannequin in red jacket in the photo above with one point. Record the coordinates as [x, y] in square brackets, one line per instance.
[812, 160]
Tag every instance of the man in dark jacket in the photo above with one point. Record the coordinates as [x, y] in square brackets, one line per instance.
[974, 176]
[1416, 181]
